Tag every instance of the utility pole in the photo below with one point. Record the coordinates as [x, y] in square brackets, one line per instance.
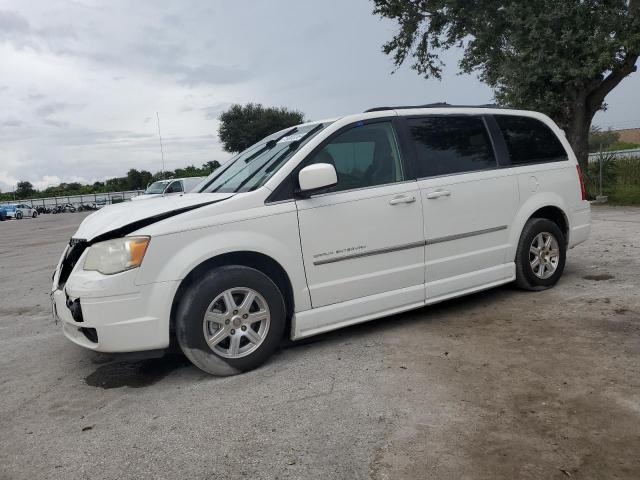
[160, 136]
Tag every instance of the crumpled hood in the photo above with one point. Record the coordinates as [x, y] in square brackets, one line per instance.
[137, 214]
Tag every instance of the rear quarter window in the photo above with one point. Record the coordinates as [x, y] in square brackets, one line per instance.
[530, 141]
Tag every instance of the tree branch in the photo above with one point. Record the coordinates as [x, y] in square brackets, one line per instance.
[628, 66]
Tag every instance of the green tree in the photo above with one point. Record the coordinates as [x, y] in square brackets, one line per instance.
[560, 57]
[134, 179]
[146, 178]
[210, 166]
[600, 140]
[243, 125]
[24, 190]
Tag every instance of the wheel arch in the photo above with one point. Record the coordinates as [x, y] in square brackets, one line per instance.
[556, 215]
[549, 206]
[259, 261]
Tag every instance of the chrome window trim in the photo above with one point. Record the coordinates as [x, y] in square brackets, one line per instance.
[370, 187]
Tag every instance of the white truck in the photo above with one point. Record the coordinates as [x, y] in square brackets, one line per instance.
[172, 186]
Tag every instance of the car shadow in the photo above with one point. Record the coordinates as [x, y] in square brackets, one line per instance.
[135, 374]
[114, 372]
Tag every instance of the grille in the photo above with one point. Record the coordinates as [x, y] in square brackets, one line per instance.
[75, 308]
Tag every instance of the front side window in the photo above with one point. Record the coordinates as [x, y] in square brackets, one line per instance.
[175, 187]
[363, 156]
[451, 144]
[529, 140]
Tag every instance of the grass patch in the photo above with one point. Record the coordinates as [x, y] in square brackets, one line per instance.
[620, 179]
[625, 195]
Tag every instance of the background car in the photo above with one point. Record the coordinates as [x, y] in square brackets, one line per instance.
[20, 211]
[169, 187]
[99, 203]
[3, 214]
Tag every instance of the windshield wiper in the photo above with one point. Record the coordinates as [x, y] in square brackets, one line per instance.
[270, 144]
[293, 146]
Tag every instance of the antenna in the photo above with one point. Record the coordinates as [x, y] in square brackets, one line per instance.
[161, 151]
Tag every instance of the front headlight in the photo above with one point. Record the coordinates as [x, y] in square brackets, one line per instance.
[115, 256]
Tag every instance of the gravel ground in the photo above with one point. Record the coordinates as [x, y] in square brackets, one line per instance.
[501, 384]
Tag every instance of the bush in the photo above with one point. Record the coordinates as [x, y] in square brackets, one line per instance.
[620, 178]
[609, 174]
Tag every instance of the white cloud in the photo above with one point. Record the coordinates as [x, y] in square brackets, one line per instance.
[81, 81]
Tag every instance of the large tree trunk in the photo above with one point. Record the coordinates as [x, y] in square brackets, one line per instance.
[578, 131]
[588, 101]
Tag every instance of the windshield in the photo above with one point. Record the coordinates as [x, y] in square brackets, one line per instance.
[253, 167]
[156, 187]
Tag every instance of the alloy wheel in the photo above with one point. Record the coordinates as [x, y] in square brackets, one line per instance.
[544, 255]
[236, 322]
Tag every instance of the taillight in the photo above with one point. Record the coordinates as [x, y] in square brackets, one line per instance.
[583, 190]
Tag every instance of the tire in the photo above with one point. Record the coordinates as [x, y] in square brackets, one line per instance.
[18, 215]
[34, 214]
[210, 295]
[545, 273]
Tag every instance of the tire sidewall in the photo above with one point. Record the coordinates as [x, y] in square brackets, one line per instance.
[193, 305]
[534, 227]
[18, 215]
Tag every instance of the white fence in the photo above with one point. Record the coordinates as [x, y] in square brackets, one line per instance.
[632, 152]
[77, 200]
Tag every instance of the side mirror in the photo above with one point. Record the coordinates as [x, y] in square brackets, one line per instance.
[314, 178]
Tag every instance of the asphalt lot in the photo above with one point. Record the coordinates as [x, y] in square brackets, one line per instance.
[501, 384]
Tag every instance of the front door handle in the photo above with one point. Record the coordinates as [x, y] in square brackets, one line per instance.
[402, 199]
[438, 194]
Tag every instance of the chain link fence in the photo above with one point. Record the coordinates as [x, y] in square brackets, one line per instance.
[614, 176]
[77, 200]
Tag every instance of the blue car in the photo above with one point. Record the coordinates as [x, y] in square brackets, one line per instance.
[20, 211]
[3, 214]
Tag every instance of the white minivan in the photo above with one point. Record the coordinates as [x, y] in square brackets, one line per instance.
[325, 225]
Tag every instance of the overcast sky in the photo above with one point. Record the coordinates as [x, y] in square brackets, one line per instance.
[81, 81]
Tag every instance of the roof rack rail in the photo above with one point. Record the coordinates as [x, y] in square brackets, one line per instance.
[432, 105]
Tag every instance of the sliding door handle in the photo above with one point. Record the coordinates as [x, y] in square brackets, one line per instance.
[438, 194]
[402, 199]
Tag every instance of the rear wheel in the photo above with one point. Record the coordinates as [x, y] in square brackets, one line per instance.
[34, 214]
[541, 255]
[18, 215]
[230, 320]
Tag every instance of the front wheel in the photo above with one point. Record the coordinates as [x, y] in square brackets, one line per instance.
[230, 320]
[541, 255]
[34, 214]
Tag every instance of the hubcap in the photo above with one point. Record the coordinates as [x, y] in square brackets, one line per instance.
[544, 255]
[236, 322]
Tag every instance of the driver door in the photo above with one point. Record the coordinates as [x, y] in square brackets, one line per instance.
[364, 236]
[174, 187]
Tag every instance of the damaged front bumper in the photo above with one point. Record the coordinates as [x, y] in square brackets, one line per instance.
[111, 313]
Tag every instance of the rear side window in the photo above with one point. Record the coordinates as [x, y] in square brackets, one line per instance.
[529, 140]
[451, 144]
